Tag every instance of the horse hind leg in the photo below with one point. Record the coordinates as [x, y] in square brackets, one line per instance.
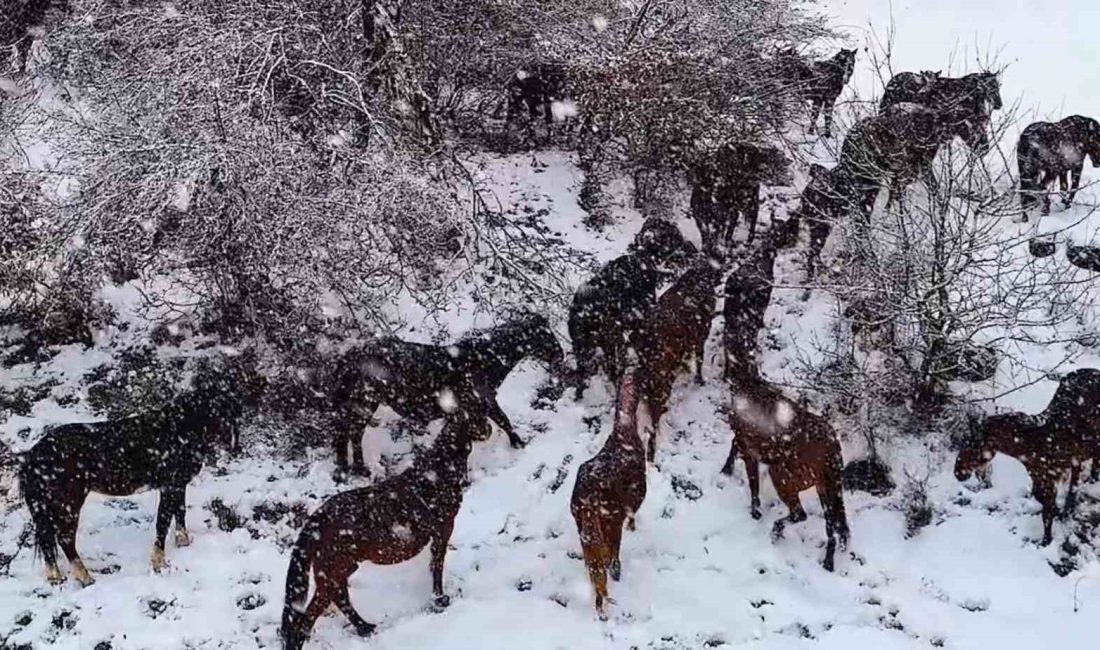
[343, 602]
[45, 520]
[67, 523]
[613, 533]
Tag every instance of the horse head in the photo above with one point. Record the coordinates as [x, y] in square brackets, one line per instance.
[846, 61]
[659, 242]
[989, 90]
[974, 450]
[1092, 142]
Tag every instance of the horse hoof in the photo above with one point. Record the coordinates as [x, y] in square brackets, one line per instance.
[517, 443]
[360, 470]
[1046, 540]
[827, 565]
[159, 562]
[183, 538]
[755, 512]
[616, 570]
[443, 601]
[54, 575]
[365, 630]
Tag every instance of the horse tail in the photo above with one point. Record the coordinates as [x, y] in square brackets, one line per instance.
[594, 546]
[35, 494]
[297, 585]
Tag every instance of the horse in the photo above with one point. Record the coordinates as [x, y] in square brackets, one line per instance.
[675, 329]
[386, 523]
[748, 292]
[609, 489]
[819, 82]
[1047, 151]
[801, 451]
[1046, 456]
[967, 100]
[607, 311]
[1060, 439]
[725, 186]
[540, 86]
[162, 449]
[893, 148]
[410, 377]
[823, 203]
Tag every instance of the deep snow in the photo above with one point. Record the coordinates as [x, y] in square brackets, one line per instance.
[698, 572]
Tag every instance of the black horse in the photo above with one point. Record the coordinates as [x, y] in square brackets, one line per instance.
[819, 82]
[607, 311]
[725, 186]
[969, 100]
[1048, 151]
[894, 149]
[161, 450]
[416, 380]
[537, 87]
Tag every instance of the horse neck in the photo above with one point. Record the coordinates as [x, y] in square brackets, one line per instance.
[497, 353]
[446, 462]
[1014, 440]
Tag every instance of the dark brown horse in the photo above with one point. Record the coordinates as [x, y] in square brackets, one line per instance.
[966, 102]
[824, 202]
[161, 450]
[748, 291]
[536, 88]
[674, 331]
[725, 186]
[610, 488]
[800, 449]
[410, 377]
[819, 82]
[1052, 151]
[1047, 457]
[386, 523]
[607, 311]
[1051, 444]
[892, 149]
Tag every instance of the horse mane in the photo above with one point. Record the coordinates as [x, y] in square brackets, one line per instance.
[513, 323]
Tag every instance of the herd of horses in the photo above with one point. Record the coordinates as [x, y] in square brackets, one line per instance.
[619, 328]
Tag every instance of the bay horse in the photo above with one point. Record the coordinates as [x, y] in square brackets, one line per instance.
[162, 449]
[410, 377]
[609, 489]
[1053, 151]
[725, 186]
[675, 330]
[819, 82]
[607, 310]
[968, 101]
[1047, 457]
[386, 523]
[801, 451]
[1059, 440]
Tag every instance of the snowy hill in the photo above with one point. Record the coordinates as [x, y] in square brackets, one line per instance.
[699, 572]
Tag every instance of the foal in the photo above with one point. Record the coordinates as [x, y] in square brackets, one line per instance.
[610, 488]
[1047, 152]
[800, 449]
[162, 450]
[386, 523]
[676, 328]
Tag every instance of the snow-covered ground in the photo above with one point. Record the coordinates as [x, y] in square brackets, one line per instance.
[698, 572]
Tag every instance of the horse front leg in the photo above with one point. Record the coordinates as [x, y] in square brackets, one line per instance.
[1071, 492]
[183, 538]
[170, 498]
[1046, 493]
[1076, 185]
[752, 470]
[829, 118]
[439, 554]
[494, 413]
